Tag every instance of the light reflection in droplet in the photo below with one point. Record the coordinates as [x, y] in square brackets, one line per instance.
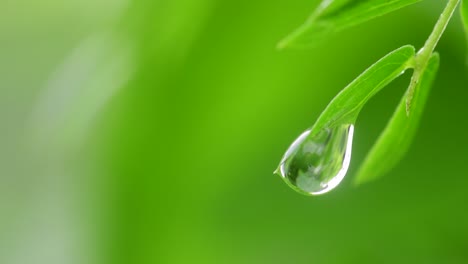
[316, 164]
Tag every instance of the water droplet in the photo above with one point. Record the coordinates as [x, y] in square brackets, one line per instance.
[316, 164]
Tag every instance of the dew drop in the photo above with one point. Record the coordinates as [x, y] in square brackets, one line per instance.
[316, 164]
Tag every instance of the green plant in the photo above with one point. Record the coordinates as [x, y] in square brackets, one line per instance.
[318, 160]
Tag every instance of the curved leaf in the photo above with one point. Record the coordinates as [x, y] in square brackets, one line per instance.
[464, 15]
[329, 6]
[349, 101]
[334, 15]
[396, 138]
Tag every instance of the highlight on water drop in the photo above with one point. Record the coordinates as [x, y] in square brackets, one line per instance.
[316, 163]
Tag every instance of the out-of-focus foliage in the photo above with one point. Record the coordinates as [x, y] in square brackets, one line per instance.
[332, 16]
[464, 15]
[146, 132]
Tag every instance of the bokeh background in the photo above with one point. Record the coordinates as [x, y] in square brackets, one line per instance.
[137, 131]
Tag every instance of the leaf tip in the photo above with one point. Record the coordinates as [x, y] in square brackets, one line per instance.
[363, 178]
[281, 45]
[286, 41]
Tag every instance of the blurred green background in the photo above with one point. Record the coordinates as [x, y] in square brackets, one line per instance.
[139, 131]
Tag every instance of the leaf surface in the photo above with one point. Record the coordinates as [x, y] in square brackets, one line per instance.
[332, 16]
[464, 15]
[397, 136]
[346, 105]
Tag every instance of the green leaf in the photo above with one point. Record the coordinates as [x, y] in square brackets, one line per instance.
[346, 105]
[400, 130]
[464, 15]
[327, 7]
[332, 16]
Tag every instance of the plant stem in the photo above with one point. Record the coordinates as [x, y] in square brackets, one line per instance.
[424, 54]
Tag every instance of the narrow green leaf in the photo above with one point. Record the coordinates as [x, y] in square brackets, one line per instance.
[335, 15]
[347, 104]
[330, 6]
[464, 15]
[400, 130]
